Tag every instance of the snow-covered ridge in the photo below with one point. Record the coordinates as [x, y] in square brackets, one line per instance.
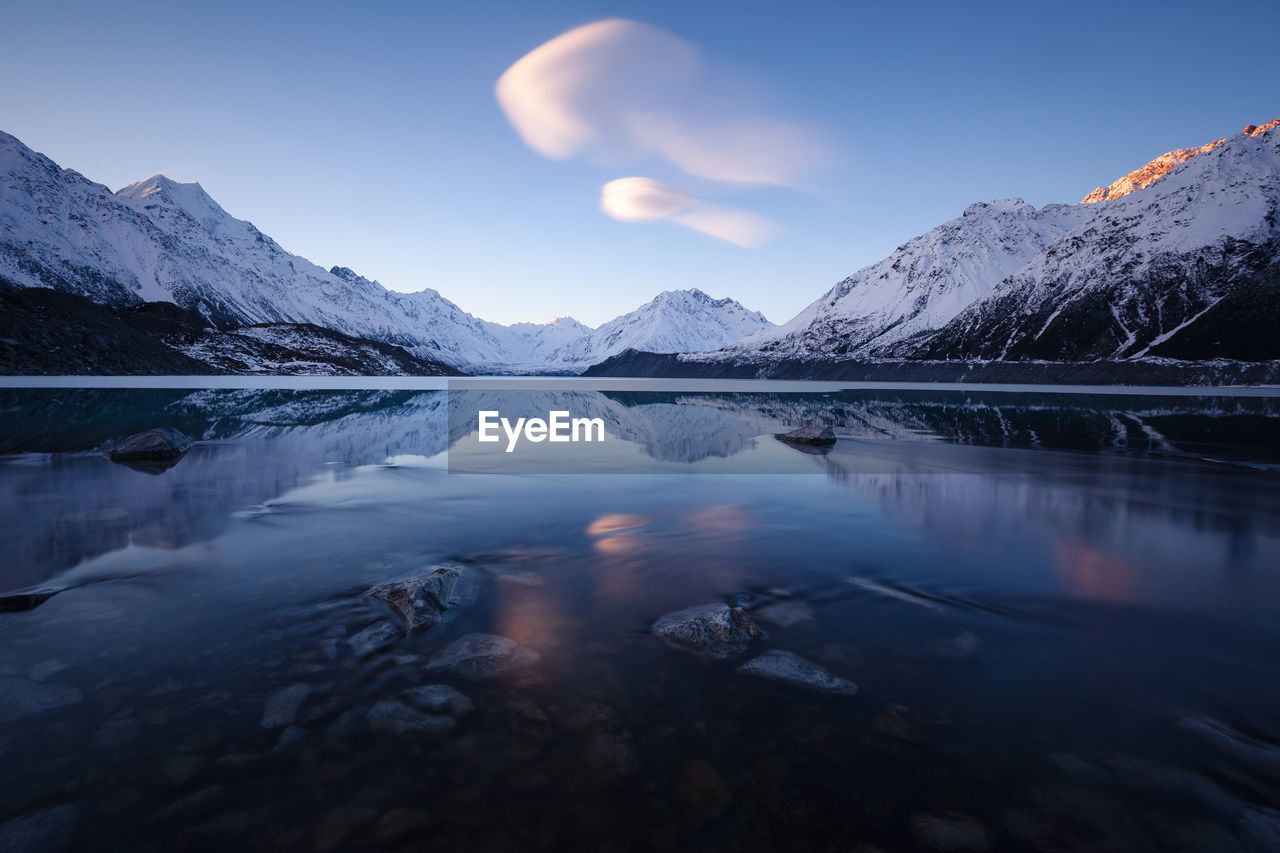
[1177, 269]
[924, 284]
[1148, 174]
[161, 240]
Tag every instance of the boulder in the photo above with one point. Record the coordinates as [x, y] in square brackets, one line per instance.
[710, 631]
[398, 718]
[27, 599]
[424, 599]
[816, 436]
[482, 656]
[790, 668]
[156, 448]
[439, 699]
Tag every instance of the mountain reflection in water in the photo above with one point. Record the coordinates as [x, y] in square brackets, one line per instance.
[1009, 577]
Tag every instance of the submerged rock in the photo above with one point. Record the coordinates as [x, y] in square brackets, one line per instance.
[790, 668]
[699, 791]
[481, 656]
[27, 599]
[816, 436]
[45, 670]
[377, 636]
[46, 831]
[423, 600]
[399, 822]
[962, 645]
[398, 718]
[524, 579]
[903, 723]
[22, 698]
[785, 614]
[1080, 771]
[1262, 756]
[281, 707]
[152, 451]
[953, 832]
[337, 826]
[1260, 831]
[439, 699]
[714, 631]
[608, 746]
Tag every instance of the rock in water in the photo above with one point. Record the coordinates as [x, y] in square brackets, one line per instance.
[423, 600]
[378, 635]
[281, 707]
[785, 614]
[155, 445]
[712, 631]
[481, 656]
[606, 744]
[1260, 831]
[817, 436]
[439, 699]
[962, 645]
[699, 791]
[955, 832]
[22, 698]
[790, 668]
[399, 719]
[47, 831]
[27, 599]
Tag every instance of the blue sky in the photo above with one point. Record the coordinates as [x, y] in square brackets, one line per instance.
[369, 135]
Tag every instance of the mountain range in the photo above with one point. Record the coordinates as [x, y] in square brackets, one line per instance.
[1175, 262]
[159, 240]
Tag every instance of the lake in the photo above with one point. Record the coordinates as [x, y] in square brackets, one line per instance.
[1060, 609]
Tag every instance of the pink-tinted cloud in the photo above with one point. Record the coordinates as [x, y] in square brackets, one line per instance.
[620, 90]
[647, 200]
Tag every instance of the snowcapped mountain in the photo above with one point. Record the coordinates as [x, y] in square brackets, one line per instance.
[923, 284]
[674, 321]
[1178, 259]
[160, 240]
[1144, 177]
[1187, 268]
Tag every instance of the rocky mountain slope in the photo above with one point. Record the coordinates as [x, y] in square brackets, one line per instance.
[1185, 268]
[1144, 177]
[924, 284]
[48, 332]
[160, 240]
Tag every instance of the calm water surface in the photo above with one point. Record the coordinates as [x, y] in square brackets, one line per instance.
[1062, 612]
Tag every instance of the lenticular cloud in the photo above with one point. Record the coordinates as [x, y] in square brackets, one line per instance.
[647, 200]
[619, 91]
[617, 88]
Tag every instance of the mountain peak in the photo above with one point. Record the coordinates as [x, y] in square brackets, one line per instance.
[188, 198]
[1144, 177]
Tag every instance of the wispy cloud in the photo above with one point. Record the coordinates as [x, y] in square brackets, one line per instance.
[647, 200]
[622, 92]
